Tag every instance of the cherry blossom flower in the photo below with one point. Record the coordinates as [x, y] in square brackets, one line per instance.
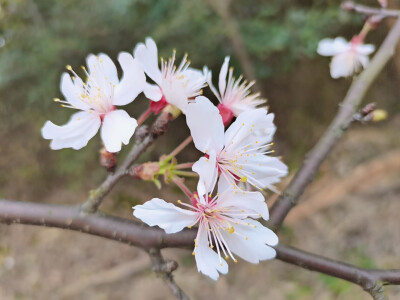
[240, 153]
[348, 57]
[97, 99]
[174, 85]
[226, 226]
[234, 96]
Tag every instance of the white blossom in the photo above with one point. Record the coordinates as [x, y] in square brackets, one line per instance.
[234, 95]
[348, 57]
[226, 226]
[240, 153]
[97, 99]
[174, 85]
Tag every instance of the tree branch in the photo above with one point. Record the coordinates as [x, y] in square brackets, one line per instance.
[140, 235]
[143, 141]
[164, 269]
[332, 135]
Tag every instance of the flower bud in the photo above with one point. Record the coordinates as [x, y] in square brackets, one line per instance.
[379, 115]
[146, 171]
[108, 160]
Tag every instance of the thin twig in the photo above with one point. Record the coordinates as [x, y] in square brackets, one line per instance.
[164, 269]
[181, 146]
[143, 141]
[369, 11]
[140, 235]
[332, 135]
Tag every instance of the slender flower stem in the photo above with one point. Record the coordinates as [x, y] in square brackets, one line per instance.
[179, 182]
[144, 116]
[181, 146]
[186, 173]
[184, 166]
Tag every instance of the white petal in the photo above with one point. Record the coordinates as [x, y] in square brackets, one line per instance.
[147, 55]
[207, 170]
[250, 127]
[264, 169]
[174, 93]
[222, 76]
[208, 262]
[75, 134]
[71, 91]
[193, 81]
[100, 66]
[252, 203]
[365, 49]
[344, 65]
[169, 217]
[256, 247]
[118, 127]
[205, 124]
[225, 182]
[152, 92]
[330, 47]
[133, 81]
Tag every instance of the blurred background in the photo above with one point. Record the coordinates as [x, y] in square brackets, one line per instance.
[354, 198]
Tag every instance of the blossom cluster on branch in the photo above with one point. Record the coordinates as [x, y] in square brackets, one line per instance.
[238, 158]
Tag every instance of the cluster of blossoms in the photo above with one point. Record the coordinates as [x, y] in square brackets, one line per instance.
[236, 160]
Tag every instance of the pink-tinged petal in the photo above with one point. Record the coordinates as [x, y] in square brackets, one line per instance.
[100, 66]
[205, 124]
[208, 171]
[169, 217]
[251, 243]
[208, 262]
[331, 47]
[365, 49]
[71, 92]
[118, 127]
[133, 81]
[75, 134]
[251, 203]
[222, 76]
[152, 92]
[147, 55]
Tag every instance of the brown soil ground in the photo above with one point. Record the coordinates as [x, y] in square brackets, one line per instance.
[351, 213]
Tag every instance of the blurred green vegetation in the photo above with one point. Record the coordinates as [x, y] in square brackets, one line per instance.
[38, 38]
